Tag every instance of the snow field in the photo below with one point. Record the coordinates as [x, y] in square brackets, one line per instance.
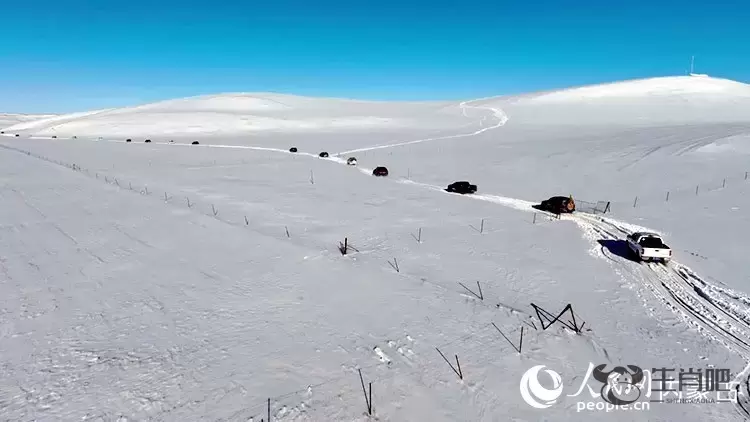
[124, 303]
[183, 315]
[535, 260]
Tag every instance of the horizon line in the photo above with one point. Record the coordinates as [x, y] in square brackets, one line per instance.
[365, 100]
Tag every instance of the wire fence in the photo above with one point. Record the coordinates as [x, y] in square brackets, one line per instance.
[506, 334]
[592, 207]
[685, 193]
[471, 353]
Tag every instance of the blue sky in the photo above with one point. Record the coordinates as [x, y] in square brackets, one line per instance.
[72, 55]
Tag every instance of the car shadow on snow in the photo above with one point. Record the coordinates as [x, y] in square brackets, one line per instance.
[617, 247]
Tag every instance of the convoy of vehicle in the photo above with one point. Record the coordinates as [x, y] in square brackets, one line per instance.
[644, 246]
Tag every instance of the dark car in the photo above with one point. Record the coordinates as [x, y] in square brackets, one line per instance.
[293, 149]
[148, 140]
[380, 171]
[17, 135]
[128, 140]
[461, 187]
[558, 205]
[195, 142]
[323, 154]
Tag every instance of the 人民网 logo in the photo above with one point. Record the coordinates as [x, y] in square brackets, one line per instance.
[532, 391]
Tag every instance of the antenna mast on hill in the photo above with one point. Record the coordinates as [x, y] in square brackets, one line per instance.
[692, 68]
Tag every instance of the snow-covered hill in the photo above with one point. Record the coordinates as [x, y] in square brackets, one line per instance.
[239, 114]
[704, 87]
[179, 282]
[10, 119]
[654, 101]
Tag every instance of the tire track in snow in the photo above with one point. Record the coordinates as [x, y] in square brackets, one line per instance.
[714, 301]
[175, 144]
[513, 203]
[717, 312]
[603, 230]
[698, 310]
[499, 114]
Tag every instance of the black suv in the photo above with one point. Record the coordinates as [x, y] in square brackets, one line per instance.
[461, 187]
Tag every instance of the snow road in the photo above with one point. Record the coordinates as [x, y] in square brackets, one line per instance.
[715, 311]
[214, 336]
[497, 113]
[546, 263]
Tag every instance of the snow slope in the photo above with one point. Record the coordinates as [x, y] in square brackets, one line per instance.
[9, 119]
[644, 102]
[250, 114]
[174, 282]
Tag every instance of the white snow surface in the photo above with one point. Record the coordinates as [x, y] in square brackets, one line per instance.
[10, 119]
[243, 114]
[170, 281]
[643, 102]
[668, 86]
